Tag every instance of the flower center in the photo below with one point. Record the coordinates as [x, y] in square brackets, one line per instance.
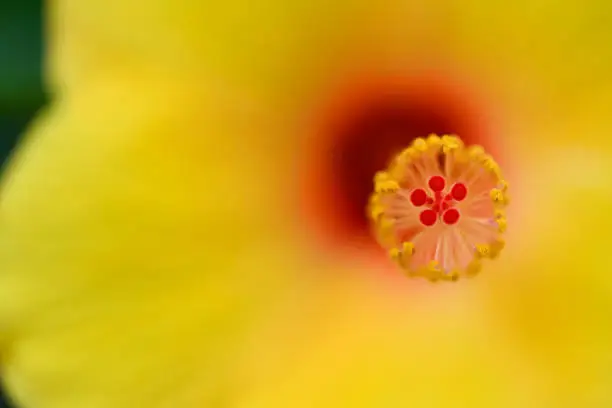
[438, 181]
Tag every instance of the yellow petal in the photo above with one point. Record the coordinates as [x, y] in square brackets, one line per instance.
[145, 260]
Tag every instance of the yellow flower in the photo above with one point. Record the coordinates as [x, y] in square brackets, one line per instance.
[152, 249]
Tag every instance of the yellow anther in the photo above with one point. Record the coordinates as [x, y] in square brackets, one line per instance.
[395, 254]
[476, 152]
[376, 211]
[408, 248]
[490, 165]
[483, 251]
[450, 143]
[386, 186]
[498, 196]
[385, 237]
[407, 156]
[402, 255]
[453, 275]
[420, 144]
[503, 185]
[434, 141]
[380, 177]
[496, 171]
[385, 224]
[374, 199]
[501, 225]
[496, 247]
[433, 271]
[500, 214]
[397, 171]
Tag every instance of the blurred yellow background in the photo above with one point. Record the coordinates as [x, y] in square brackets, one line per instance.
[154, 252]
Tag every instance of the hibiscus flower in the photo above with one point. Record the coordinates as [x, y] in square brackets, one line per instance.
[186, 223]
